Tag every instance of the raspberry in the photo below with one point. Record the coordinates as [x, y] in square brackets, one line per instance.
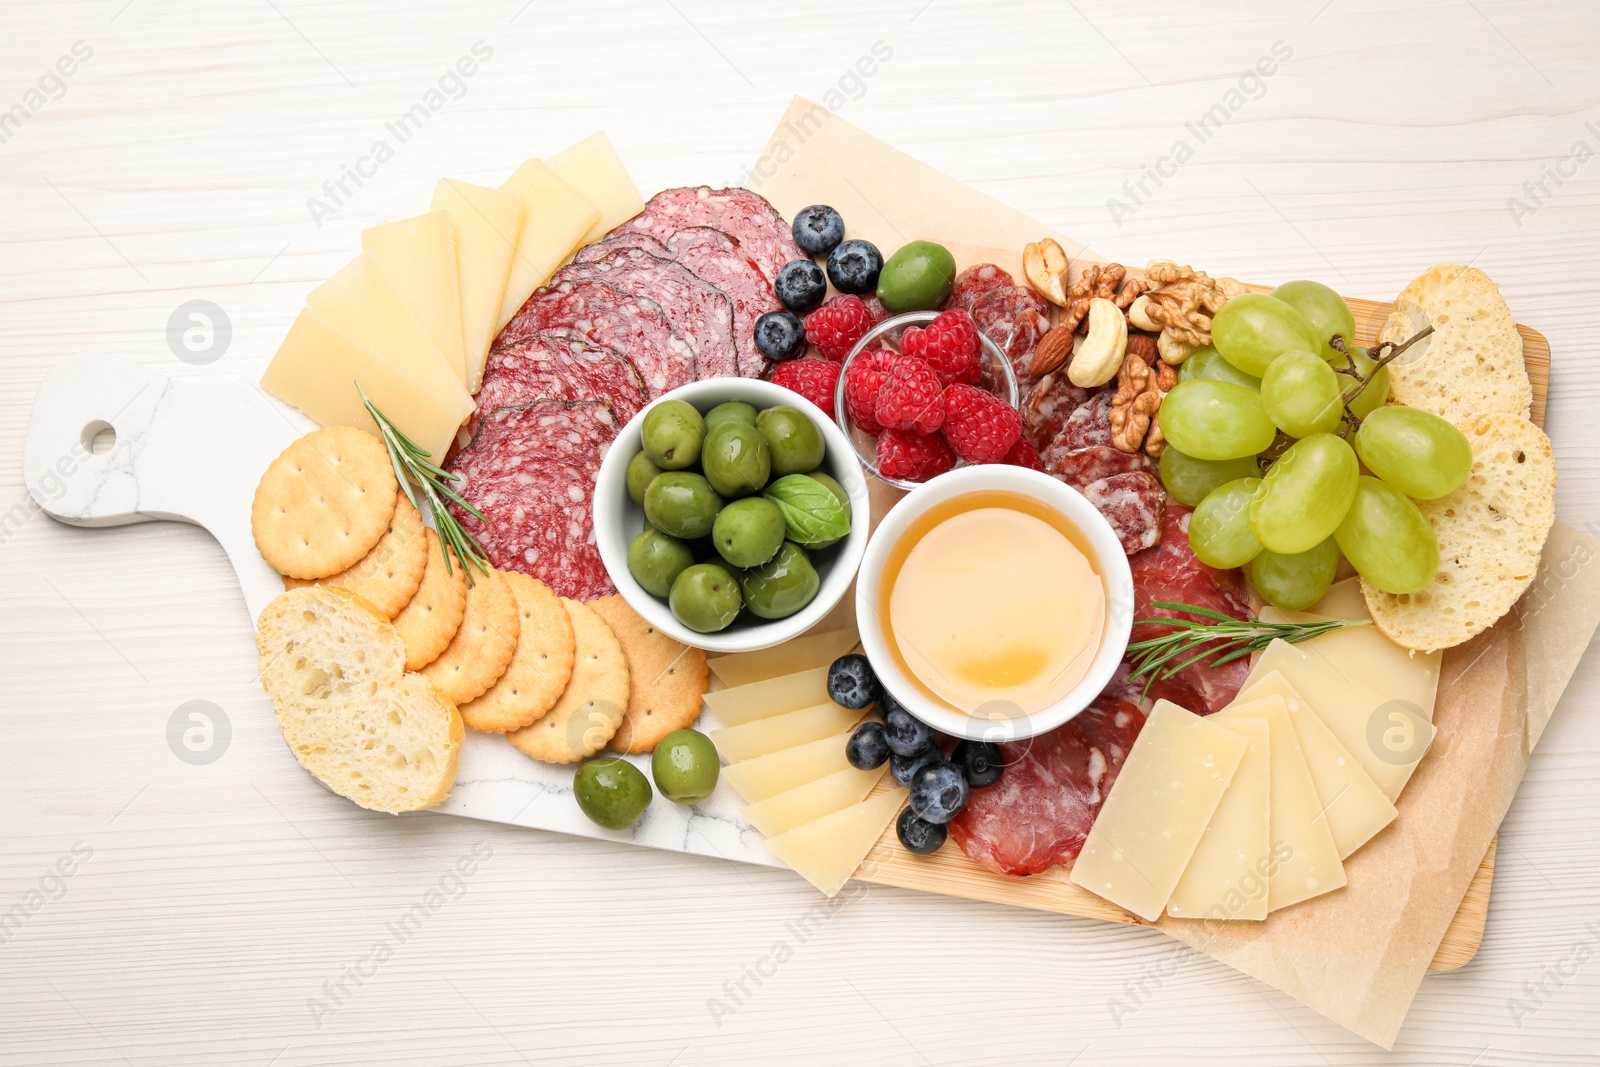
[835, 327]
[912, 397]
[863, 380]
[813, 379]
[1023, 454]
[912, 457]
[981, 427]
[948, 344]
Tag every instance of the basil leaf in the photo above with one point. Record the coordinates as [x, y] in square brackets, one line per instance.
[811, 513]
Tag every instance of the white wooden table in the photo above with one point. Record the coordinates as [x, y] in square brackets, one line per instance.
[236, 913]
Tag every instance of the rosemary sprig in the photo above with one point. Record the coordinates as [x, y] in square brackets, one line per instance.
[1221, 640]
[413, 468]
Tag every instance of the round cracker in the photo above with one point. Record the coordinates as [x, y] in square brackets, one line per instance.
[669, 678]
[596, 697]
[389, 575]
[324, 502]
[483, 644]
[433, 615]
[539, 670]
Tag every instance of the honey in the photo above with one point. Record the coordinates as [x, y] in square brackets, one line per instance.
[993, 604]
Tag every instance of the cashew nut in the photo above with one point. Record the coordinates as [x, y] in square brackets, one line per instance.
[1172, 350]
[1100, 354]
[1139, 316]
[1045, 265]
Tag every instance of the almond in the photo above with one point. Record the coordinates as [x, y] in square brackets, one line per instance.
[1054, 349]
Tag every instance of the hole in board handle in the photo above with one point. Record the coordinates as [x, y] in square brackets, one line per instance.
[98, 437]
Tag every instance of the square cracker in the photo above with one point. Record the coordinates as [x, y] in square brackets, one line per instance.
[669, 678]
[596, 697]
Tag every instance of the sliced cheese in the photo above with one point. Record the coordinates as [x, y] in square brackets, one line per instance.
[1158, 809]
[554, 220]
[1364, 655]
[316, 369]
[828, 851]
[778, 772]
[363, 301]
[593, 168]
[1227, 875]
[802, 654]
[1352, 803]
[773, 696]
[1305, 861]
[807, 803]
[1343, 600]
[1389, 737]
[776, 732]
[420, 255]
[487, 224]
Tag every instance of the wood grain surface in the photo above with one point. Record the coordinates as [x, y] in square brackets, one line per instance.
[235, 913]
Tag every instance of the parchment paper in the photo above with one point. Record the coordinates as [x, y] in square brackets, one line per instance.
[1356, 955]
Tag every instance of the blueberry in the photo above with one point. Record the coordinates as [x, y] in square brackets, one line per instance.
[980, 761]
[780, 335]
[905, 768]
[938, 792]
[919, 835]
[853, 267]
[852, 683]
[867, 749]
[818, 229]
[801, 286]
[907, 734]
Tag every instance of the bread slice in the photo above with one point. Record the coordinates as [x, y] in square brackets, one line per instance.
[1491, 532]
[1472, 362]
[334, 667]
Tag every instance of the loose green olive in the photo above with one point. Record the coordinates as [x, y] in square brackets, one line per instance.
[673, 432]
[612, 792]
[917, 278]
[655, 560]
[681, 504]
[781, 586]
[641, 472]
[706, 598]
[736, 459]
[685, 766]
[793, 439]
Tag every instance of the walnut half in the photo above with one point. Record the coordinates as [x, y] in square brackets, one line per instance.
[1141, 385]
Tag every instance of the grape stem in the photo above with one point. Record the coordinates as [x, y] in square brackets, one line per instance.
[1382, 356]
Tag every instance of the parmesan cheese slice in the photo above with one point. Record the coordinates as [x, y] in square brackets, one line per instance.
[555, 219]
[487, 223]
[807, 803]
[1227, 876]
[772, 696]
[1158, 809]
[828, 851]
[802, 654]
[593, 168]
[1364, 655]
[420, 255]
[777, 732]
[778, 772]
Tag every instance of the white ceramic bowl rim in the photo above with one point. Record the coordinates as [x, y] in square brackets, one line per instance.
[1112, 562]
[615, 522]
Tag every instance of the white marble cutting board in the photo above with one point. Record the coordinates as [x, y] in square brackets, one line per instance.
[192, 451]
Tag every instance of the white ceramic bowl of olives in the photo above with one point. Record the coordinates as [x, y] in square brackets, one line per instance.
[765, 514]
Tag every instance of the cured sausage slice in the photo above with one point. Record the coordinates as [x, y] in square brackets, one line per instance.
[745, 216]
[1133, 503]
[634, 325]
[1082, 466]
[699, 312]
[559, 365]
[531, 472]
[1039, 813]
[1088, 425]
[1015, 318]
[1046, 408]
[975, 283]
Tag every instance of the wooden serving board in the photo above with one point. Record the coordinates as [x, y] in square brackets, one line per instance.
[949, 871]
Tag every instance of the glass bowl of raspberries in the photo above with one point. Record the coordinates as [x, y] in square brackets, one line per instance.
[924, 393]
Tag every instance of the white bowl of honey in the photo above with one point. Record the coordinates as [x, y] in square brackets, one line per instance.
[994, 602]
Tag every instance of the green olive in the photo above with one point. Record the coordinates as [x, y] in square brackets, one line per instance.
[612, 792]
[681, 504]
[793, 439]
[736, 459]
[655, 560]
[917, 278]
[782, 585]
[641, 471]
[748, 532]
[730, 409]
[673, 432]
[685, 766]
[706, 598]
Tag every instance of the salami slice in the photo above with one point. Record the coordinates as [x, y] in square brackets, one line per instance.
[1089, 425]
[975, 283]
[1039, 813]
[699, 312]
[1133, 503]
[739, 213]
[616, 241]
[1015, 318]
[1085, 465]
[634, 325]
[1046, 408]
[559, 365]
[1170, 573]
[531, 472]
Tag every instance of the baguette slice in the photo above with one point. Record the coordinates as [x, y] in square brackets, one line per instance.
[1472, 362]
[334, 668]
[1491, 532]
